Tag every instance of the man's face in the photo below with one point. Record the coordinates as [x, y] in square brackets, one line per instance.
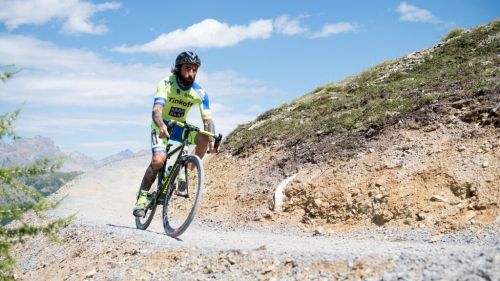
[188, 73]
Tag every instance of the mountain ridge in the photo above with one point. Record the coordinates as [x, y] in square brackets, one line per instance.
[26, 151]
[460, 66]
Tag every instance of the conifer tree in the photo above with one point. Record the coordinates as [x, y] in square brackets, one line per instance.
[10, 183]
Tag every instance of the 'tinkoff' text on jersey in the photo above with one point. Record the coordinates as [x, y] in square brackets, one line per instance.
[177, 100]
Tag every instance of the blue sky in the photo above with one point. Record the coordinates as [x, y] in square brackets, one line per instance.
[90, 68]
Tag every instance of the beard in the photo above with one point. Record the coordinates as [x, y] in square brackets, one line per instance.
[186, 81]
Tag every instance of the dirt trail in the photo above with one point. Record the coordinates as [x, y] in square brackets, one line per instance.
[103, 244]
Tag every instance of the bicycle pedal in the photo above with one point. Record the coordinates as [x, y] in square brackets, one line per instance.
[182, 193]
[160, 201]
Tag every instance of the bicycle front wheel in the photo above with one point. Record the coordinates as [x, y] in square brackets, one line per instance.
[183, 196]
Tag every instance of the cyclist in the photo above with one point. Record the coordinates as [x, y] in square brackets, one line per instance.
[175, 96]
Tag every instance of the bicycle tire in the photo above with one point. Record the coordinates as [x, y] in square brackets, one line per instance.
[179, 211]
[144, 222]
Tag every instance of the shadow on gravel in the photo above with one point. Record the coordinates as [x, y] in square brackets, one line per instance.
[128, 227]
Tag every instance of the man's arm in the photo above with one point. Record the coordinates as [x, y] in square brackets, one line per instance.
[208, 122]
[158, 119]
[209, 126]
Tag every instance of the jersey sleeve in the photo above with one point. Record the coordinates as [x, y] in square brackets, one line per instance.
[205, 111]
[161, 92]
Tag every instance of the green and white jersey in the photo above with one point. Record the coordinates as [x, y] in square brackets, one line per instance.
[177, 100]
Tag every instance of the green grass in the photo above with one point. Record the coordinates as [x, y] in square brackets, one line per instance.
[453, 33]
[461, 67]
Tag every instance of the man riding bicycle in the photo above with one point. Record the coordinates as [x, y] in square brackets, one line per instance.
[175, 96]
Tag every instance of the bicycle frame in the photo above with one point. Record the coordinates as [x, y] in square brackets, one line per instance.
[185, 136]
[176, 165]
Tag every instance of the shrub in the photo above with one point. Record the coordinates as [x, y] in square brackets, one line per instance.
[453, 33]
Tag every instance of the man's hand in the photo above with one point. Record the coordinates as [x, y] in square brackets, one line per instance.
[211, 147]
[208, 125]
[164, 132]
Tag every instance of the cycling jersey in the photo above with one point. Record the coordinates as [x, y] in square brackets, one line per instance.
[177, 101]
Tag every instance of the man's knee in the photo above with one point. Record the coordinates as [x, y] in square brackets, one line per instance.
[158, 161]
[201, 140]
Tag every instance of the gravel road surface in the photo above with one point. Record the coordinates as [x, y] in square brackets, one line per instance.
[102, 200]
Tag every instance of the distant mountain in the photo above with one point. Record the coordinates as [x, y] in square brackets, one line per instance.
[77, 161]
[26, 151]
[115, 157]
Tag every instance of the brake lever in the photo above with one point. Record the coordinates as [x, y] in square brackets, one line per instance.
[218, 140]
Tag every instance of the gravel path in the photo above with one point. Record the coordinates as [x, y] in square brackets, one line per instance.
[103, 200]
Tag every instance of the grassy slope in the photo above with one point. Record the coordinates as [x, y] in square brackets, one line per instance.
[467, 64]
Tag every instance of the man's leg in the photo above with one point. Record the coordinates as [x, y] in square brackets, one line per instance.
[201, 147]
[201, 142]
[157, 162]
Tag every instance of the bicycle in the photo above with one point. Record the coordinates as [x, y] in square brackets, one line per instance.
[179, 208]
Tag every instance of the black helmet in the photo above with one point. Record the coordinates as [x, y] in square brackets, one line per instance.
[187, 57]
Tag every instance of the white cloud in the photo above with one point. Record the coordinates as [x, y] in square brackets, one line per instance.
[220, 108]
[208, 33]
[57, 122]
[54, 76]
[255, 108]
[415, 14]
[228, 83]
[57, 76]
[335, 28]
[75, 14]
[111, 145]
[286, 26]
[211, 33]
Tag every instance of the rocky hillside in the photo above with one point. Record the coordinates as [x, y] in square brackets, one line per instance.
[414, 141]
[462, 67]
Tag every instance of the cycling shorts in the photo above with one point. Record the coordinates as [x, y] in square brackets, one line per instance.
[160, 145]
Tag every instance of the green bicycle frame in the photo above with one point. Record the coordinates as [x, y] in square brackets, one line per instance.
[188, 130]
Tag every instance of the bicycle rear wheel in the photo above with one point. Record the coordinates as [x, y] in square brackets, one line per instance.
[180, 208]
[144, 221]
